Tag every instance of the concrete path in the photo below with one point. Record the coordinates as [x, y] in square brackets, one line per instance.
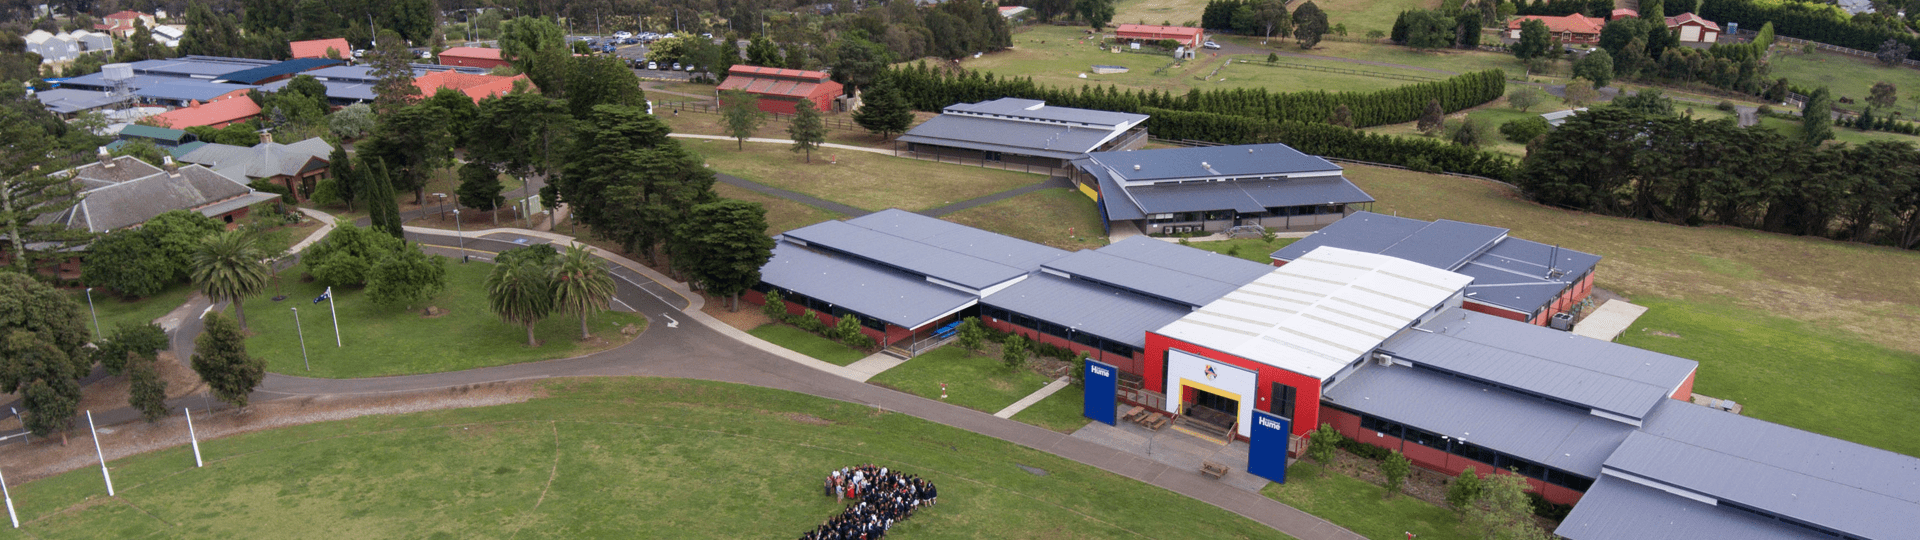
[1060, 182]
[326, 226]
[1174, 449]
[1033, 398]
[794, 196]
[1610, 320]
[879, 363]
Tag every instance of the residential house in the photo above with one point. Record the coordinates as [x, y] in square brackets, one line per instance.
[1575, 28]
[217, 114]
[123, 24]
[1188, 37]
[298, 166]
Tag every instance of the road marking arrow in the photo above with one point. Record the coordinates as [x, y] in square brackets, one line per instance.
[670, 322]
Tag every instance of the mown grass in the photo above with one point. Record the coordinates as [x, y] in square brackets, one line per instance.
[115, 311]
[1845, 76]
[859, 179]
[602, 458]
[1727, 278]
[782, 215]
[1062, 218]
[1363, 15]
[804, 342]
[393, 340]
[1252, 249]
[980, 383]
[1063, 411]
[1359, 506]
[1790, 372]
[1792, 129]
[1059, 55]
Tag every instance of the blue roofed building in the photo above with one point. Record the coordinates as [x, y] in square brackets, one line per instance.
[1513, 278]
[1023, 134]
[1210, 189]
[278, 72]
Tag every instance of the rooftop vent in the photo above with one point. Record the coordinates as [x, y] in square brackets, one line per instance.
[1136, 167]
[106, 158]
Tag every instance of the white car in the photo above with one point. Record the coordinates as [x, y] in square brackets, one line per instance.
[1210, 45]
[623, 34]
[676, 66]
[653, 65]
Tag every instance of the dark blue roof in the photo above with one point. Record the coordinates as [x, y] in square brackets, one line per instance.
[1241, 161]
[255, 75]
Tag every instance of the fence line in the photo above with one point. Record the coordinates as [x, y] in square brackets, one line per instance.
[709, 107]
[1842, 50]
[1400, 76]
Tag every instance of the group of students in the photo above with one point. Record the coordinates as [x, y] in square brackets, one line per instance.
[882, 498]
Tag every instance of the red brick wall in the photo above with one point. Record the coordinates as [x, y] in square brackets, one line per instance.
[892, 334]
[1128, 363]
[1306, 409]
[1435, 460]
[1685, 392]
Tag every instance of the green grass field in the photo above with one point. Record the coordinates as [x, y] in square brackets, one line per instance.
[1725, 279]
[782, 215]
[1062, 218]
[980, 383]
[1363, 15]
[1059, 55]
[382, 340]
[804, 342]
[1845, 76]
[602, 458]
[115, 311]
[1791, 128]
[1252, 249]
[1060, 412]
[1358, 506]
[1790, 372]
[860, 179]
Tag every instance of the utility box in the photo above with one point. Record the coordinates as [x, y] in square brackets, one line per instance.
[1562, 321]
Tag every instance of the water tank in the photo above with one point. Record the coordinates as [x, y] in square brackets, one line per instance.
[117, 72]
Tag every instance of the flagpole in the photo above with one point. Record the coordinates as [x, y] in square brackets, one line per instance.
[97, 453]
[15, 518]
[336, 318]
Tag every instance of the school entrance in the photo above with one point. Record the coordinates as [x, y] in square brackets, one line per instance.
[1213, 397]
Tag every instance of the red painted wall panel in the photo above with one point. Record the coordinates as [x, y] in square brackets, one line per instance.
[1685, 393]
[1306, 409]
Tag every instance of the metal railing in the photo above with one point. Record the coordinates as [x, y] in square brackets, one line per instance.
[1908, 62]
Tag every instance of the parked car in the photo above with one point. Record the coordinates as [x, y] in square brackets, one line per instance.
[676, 66]
[1210, 45]
[623, 34]
[653, 65]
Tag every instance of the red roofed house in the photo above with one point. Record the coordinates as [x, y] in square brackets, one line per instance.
[1575, 28]
[317, 48]
[123, 23]
[781, 89]
[478, 87]
[472, 57]
[1188, 37]
[1622, 13]
[217, 114]
[1693, 29]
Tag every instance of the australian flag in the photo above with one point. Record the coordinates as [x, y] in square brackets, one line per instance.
[324, 296]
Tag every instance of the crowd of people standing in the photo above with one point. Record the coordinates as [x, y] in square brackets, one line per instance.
[881, 499]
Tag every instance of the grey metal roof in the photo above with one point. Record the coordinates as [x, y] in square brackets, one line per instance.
[1103, 311]
[200, 67]
[930, 247]
[1514, 273]
[1363, 231]
[1848, 487]
[264, 160]
[1554, 435]
[1617, 509]
[73, 100]
[1172, 272]
[883, 293]
[1446, 244]
[184, 90]
[135, 201]
[289, 67]
[1009, 136]
[1610, 377]
[1246, 196]
[365, 73]
[1115, 202]
[1038, 110]
[1241, 161]
[336, 90]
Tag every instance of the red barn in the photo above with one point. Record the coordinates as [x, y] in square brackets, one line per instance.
[479, 57]
[1190, 38]
[780, 89]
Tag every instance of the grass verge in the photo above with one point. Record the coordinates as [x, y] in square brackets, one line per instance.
[1062, 218]
[1062, 411]
[1252, 249]
[115, 311]
[603, 458]
[1358, 506]
[859, 179]
[782, 215]
[980, 383]
[381, 340]
[804, 342]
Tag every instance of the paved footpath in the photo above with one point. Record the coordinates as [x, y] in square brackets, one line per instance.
[697, 346]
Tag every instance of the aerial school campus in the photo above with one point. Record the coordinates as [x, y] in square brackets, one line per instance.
[1147, 268]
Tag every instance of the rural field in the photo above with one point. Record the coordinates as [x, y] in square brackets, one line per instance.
[602, 458]
[859, 179]
[1059, 55]
[1782, 324]
[1845, 76]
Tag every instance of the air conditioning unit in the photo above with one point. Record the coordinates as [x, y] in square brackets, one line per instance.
[1562, 321]
[1382, 359]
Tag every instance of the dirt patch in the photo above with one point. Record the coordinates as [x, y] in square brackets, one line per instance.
[46, 457]
[434, 312]
[1663, 334]
[808, 419]
[1421, 483]
[748, 318]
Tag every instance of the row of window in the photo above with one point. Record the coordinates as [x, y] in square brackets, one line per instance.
[1049, 328]
[1471, 451]
[1221, 215]
[822, 306]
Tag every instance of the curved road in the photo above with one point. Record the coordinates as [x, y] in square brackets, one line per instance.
[701, 347]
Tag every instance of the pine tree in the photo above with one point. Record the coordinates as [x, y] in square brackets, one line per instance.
[382, 210]
[26, 192]
[883, 109]
[806, 128]
[1433, 119]
[148, 393]
[220, 357]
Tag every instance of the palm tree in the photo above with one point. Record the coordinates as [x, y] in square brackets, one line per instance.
[228, 267]
[581, 285]
[520, 293]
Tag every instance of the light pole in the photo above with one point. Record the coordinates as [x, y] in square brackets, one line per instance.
[96, 314]
[443, 205]
[462, 235]
[303, 339]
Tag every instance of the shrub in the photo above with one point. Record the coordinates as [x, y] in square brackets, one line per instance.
[1395, 468]
[1362, 449]
[776, 307]
[1463, 490]
[1725, 106]
[847, 328]
[1766, 110]
[1014, 352]
[326, 193]
[1548, 510]
[1524, 130]
[268, 186]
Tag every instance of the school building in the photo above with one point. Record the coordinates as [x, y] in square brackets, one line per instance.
[1024, 132]
[1215, 188]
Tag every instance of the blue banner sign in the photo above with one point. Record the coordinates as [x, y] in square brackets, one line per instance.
[1267, 449]
[1102, 383]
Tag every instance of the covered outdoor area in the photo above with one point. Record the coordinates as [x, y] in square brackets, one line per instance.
[1175, 448]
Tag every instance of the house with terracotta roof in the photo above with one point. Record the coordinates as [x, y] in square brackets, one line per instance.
[1622, 13]
[1575, 28]
[317, 48]
[1191, 38]
[123, 23]
[217, 114]
[780, 90]
[479, 57]
[476, 86]
[1693, 29]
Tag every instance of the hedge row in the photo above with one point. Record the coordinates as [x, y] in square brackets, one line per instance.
[1812, 22]
[1431, 155]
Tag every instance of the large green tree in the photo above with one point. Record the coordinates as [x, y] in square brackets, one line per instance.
[146, 391]
[393, 66]
[129, 341]
[406, 277]
[727, 244]
[1096, 13]
[346, 255]
[883, 110]
[806, 129]
[857, 62]
[521, 134]
[1596, 66]
[458, 111]
[229, 267]
[537, 47]
[128, 263]
[520, 292]
[220, 357]
[1816, 118]
[43, 333]
[631, 182]
[740, 115]
[27, 192]
[383, 211]
[602, 80]
[581, 285]
[413, 142]
[1309, 24]
[1535, 40]
[480, 187]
